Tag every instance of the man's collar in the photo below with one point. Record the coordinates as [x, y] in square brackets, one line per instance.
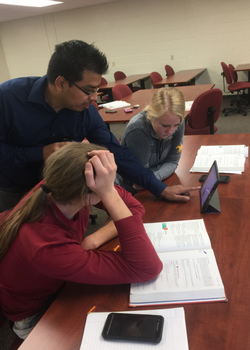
[37, 92]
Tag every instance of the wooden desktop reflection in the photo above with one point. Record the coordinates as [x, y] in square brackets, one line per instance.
[223, 326]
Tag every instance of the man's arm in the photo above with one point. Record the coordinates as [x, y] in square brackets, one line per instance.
[51, 148]
[128, 164]
[178, 193]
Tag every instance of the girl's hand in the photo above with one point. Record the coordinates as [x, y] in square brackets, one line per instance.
[100, 172]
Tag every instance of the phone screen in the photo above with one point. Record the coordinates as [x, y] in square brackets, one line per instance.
[135, 327]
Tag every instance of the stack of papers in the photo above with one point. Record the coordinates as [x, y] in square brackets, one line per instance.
[116, 104]
[174, 336]
[230, 159]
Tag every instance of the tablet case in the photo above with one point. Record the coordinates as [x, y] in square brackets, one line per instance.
[214, 204]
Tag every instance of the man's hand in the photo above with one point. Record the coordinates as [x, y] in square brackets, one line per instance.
[178, 193]
[51, 148]
[137, 187]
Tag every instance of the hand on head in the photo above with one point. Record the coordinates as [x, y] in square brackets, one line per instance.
[102, 181]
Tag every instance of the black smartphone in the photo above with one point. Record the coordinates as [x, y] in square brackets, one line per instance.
[110, 111]
[133, 327]
[222, 178]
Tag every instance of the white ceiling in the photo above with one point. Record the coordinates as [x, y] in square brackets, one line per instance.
[10, 12]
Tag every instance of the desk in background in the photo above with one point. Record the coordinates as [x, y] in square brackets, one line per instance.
[181, 77]
[143, 98]
[107, 88]
[243, 68]
[215, 325]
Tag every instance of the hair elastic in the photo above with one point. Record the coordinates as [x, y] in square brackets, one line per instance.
[45, 189]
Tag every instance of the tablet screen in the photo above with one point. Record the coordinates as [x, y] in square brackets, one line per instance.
[209, 186]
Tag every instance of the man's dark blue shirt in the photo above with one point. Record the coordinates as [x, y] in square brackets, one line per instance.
[27, 123]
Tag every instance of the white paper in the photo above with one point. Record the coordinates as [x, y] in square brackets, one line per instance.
[228, 164]
[188, 105]
[230, 158]
[174, 335]
[238, 150]
[178, 235]
[187, 276]
[116, 104]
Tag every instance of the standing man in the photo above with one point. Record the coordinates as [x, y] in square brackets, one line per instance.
[38, 115]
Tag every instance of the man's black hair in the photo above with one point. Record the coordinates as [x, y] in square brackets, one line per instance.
[72, 58]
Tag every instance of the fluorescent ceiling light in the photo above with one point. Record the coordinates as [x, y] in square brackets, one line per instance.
[31, 3]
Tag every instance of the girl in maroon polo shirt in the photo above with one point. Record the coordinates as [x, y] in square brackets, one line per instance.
[43, 243]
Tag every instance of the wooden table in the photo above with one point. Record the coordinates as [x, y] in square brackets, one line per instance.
[243, 68]
[181, 77]
[223, 326]
[143, 98]
[107, 88]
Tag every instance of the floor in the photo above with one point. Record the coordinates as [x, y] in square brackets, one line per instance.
[232, 124]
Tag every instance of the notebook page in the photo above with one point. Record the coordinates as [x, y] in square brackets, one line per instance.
[174, 335]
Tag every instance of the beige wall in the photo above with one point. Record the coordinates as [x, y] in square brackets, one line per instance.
[138, 36]
[4, 71]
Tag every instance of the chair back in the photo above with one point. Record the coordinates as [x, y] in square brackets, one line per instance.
[204, 112]
[119, 75]
[155, 77]
[169, 70]
[120, 91]
[233, 73]
[227, 73]
[103, 81]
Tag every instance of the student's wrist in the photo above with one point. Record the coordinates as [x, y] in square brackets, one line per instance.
[109, 196]
[116, 207]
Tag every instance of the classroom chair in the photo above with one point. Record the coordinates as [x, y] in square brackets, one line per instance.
[237, 87]
[169, 70]
[243, 100]
[204, 112]
[155, 77]
[103, 81]
[120, 75]
[104, 98]
[120, 91]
